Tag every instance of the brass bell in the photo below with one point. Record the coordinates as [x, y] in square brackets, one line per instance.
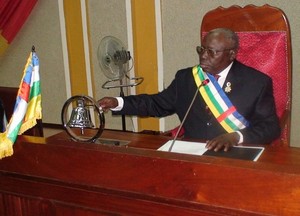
[80, 116]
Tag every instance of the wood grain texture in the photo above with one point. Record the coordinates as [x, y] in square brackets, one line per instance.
[67, 177]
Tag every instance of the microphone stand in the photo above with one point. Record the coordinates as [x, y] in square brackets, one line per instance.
[203, 83]
[123, 116]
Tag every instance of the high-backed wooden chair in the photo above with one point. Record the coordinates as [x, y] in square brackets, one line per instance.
[8, 96]
[265, 44]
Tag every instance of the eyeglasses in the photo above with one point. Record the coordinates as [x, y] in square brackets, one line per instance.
[211, 52]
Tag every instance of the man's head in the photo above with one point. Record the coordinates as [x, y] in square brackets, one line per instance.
[219, 48]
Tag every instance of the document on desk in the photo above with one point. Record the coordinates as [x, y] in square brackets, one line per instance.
[198, 148]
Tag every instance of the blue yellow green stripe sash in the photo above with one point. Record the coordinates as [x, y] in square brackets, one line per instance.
[218, 102]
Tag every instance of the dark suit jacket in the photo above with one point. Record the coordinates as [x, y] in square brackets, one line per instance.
[251, 94]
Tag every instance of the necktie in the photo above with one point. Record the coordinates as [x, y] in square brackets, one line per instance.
[217, 76]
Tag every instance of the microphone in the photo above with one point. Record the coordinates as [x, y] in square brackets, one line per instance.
[203, 83]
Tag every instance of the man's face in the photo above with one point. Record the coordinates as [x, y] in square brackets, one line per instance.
[216, 53]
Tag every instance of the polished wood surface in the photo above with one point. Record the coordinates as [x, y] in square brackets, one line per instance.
[57, 176]
[256, 19]
[248, 18]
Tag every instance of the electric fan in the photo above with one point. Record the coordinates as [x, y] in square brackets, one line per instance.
[113, 59]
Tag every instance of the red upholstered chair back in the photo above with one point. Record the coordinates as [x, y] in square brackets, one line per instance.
[265, 45]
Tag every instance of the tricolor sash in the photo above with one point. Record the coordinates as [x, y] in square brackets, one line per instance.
[218, 102]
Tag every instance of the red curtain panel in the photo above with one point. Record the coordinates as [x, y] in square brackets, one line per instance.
[13, 14]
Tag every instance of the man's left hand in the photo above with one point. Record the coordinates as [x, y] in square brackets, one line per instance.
[224, 141]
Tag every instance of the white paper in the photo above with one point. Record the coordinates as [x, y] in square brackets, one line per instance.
[185, 147]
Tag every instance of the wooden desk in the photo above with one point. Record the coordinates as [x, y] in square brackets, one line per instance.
[56, 176]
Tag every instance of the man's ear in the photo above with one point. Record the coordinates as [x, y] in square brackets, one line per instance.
[232, 54]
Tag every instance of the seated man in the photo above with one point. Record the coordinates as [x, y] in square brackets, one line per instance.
[238, 107]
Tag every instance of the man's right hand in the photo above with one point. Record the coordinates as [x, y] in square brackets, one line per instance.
[107, 103]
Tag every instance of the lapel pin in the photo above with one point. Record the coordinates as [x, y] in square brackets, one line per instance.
[228, 87]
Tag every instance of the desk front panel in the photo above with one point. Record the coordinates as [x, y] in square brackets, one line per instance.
[58, 176]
